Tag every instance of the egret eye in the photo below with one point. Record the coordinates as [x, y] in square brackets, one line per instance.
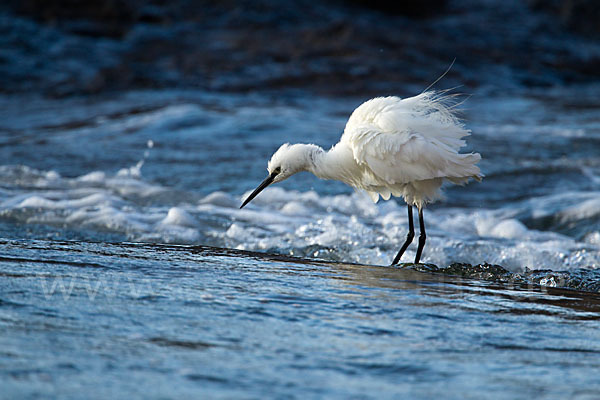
[277, 170]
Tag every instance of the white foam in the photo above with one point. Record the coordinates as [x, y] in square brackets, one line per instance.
[588, 209]
[295, 208]
[220, 199]
[38, 201]
[365, 233]
[178, 216]
[95, 176]
[35, 201]
[341, 227]
[593, 238]
[52, 175]
[509, 229]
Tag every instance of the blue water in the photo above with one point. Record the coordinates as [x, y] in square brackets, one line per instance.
[127, 269]
[139, 321]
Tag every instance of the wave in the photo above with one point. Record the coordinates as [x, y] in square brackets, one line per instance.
[555, 232]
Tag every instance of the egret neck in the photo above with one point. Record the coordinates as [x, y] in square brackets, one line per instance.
[336, 164]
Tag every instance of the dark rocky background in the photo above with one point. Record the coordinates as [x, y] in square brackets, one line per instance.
[66, 47]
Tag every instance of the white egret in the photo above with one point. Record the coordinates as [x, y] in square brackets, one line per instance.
[390, 147]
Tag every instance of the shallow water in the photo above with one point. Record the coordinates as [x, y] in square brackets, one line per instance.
[127, 268]
[159, 321]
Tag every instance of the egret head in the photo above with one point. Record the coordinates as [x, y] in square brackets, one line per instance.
[285, 162]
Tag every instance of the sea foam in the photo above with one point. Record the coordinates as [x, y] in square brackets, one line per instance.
[344, 227]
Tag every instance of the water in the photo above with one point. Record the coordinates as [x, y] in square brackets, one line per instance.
[169, 321]
[172, 167]
[127, 268]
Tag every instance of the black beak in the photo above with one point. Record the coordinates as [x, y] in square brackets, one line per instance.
[259, 189]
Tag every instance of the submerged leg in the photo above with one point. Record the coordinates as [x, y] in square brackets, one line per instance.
[409, 236]
[422, 236]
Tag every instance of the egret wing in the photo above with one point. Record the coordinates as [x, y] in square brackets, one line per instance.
[406, 140]
[417, 159]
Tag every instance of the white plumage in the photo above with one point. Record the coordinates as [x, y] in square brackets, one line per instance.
[390, 147]
[407, 146]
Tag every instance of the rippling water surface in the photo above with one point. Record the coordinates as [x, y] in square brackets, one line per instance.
[170, 321]
[108, 206]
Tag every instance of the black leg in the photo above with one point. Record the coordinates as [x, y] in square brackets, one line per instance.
[422, 236]
[409, 237]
